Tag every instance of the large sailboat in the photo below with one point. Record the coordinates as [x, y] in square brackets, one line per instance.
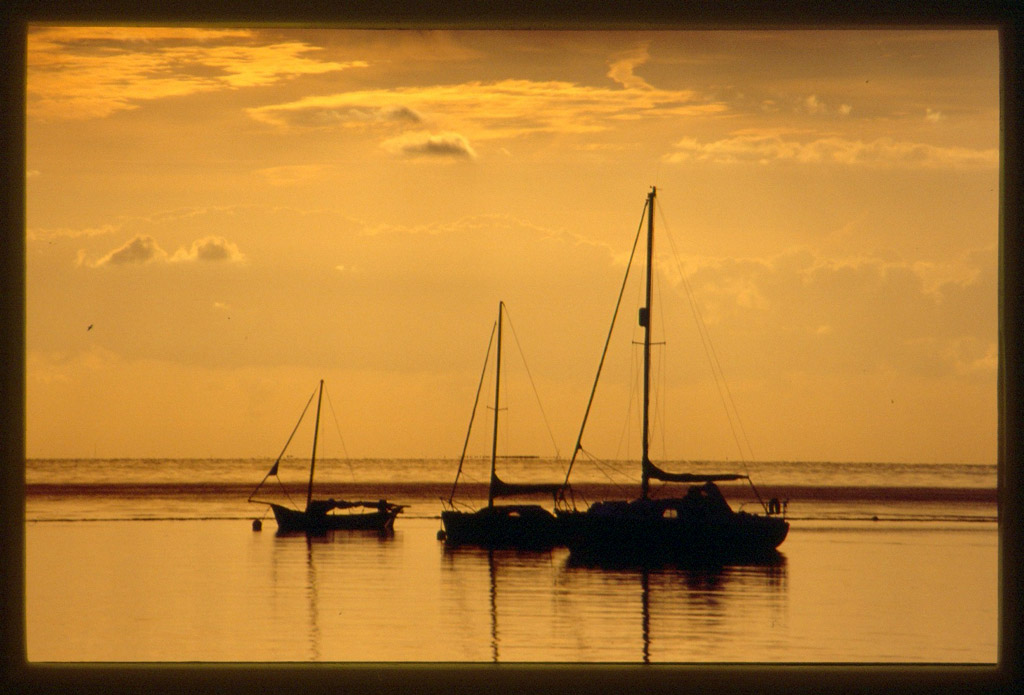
[322, 515]
[699, 526]
[521, 526]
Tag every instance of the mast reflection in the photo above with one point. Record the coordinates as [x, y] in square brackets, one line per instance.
[515, 608]
[690, 603]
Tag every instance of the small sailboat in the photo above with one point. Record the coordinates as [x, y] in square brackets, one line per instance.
[521, 526]
[697, 527]
[322, 515]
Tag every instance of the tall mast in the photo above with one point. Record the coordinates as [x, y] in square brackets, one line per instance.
[316, 430]
[497, 391]
[645, 321]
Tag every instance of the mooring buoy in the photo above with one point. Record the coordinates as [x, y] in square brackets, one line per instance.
[257, 525]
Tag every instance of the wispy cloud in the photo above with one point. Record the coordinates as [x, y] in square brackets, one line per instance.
[488, 110]
[293, 175]
[883, 152]
[42, 234]
[92, 72]
[321, 112]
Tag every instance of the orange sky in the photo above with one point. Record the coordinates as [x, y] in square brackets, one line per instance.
[239, 212]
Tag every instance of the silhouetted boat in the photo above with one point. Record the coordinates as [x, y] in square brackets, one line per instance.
[697, 527]
[319, 514]
[524, 526]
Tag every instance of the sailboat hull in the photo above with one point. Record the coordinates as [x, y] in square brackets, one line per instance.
[293, 521]
[525, 527]
[660, 531]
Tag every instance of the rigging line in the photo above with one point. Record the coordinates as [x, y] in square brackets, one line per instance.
[285, 490]
[536, 395]
[273, 469]
[660, 420]
[472, 415]
[337, 427]
[712, 356]
[633, 400]
[734, 414]
[725, 396]
[604, 351]
[603, 467]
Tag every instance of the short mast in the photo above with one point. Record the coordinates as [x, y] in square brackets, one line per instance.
[497, 392]
[312, 460]
[645, 321]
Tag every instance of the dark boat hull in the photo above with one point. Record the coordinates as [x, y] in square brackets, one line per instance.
[523, 527]
[293, 521]
[641, 532]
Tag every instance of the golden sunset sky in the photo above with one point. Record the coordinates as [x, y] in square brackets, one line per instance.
[238, 213]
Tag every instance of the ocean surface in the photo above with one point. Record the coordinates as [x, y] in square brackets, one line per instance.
[132, 560]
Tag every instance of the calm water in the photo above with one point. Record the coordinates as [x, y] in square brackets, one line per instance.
[157, 561]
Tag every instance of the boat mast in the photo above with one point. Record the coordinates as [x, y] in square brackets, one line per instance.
[312, 460]
[645, 321]
[497, 391]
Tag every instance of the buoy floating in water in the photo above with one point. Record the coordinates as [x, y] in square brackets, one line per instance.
[257, 525]
[441, 535]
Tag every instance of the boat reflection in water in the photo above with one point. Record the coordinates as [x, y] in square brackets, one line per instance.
[616, 613]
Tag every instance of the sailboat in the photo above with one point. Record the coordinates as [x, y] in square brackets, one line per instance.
[699, 526]
[319, 515]
[522, 526]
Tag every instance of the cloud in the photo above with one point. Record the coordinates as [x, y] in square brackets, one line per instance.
[445, 145]
[622, 69]
[138, 251]
[853, 314]
[813, 106]
[143, 249]
[93, 72]
[490, 110]
[883, 152]
[211, 249]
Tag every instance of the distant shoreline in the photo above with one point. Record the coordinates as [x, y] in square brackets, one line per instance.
[590, 491]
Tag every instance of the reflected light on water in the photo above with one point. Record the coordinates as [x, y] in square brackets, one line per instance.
[217, 591]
